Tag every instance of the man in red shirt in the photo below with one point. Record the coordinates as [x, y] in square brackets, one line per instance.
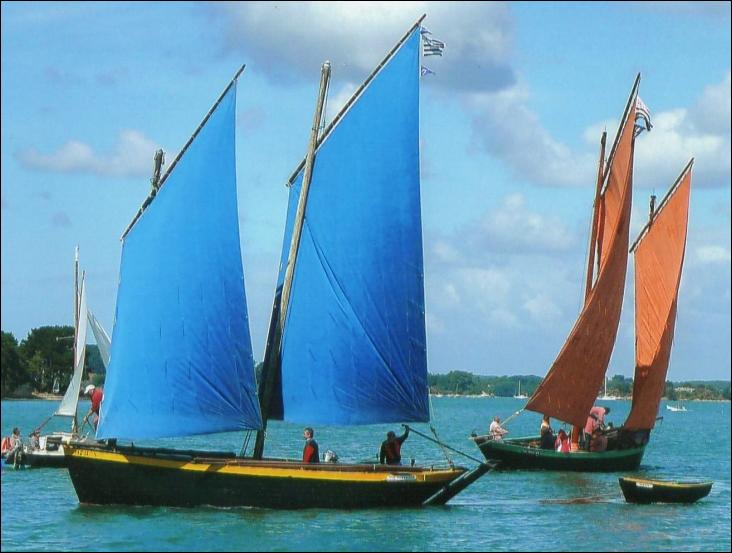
[391, 448]
[310, 451]
[95, 393]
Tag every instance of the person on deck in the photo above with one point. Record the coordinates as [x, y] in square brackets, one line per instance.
[12, 448]
[562, 442]
[598, 442]
[35, 439]
[310, 451]
[496, 430]
[96, 394]
[595, 420]
[391, 448]
[547, 434]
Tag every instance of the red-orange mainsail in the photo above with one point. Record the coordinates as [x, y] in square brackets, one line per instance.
[570, 387]
[659, 258]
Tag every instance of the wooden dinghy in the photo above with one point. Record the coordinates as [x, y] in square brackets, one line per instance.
[642, 490]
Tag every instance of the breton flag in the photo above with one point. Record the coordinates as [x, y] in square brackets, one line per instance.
[642, 112]
[431, 46]
[424, 71]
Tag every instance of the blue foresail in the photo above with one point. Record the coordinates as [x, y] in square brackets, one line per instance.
[354, 340]
[181, 360]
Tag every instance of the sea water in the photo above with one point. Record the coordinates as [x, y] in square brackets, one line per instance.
[502, 511]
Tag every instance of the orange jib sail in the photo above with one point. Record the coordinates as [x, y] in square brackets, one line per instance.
[570, 387]
[659, 258]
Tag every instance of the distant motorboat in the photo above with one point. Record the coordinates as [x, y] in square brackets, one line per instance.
[679, 407]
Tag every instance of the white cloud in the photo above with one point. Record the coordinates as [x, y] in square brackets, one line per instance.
[711, 113]
[713, 255]
[445, 252]
[130, 157]
[339, 100]
[542, 308]
[701, 131]
[354, 36]
[505, 125]
[434, 324]
[513, 228]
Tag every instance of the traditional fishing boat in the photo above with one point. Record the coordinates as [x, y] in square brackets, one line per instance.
[347, 338]
[570, 387]
[50, 449]
[643, 490]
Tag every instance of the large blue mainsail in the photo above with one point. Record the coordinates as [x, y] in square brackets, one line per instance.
[353, 348]
[181, 361]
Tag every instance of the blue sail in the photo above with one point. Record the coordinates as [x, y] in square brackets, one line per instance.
[353, 347]
[181, 361]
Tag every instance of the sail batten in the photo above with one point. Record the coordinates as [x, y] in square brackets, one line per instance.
[570, 387]
[353, 346]
[659, 259]
[181, 361]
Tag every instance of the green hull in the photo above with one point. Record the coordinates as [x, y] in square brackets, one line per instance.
[640, 490]
[524, 453]
[147, 476]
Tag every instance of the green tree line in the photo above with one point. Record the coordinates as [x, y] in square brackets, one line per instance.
[465, 383]
[44, 357]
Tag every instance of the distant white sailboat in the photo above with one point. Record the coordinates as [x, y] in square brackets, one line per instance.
[49, 451]
[519, 395]
[605, 396]
[679, 407]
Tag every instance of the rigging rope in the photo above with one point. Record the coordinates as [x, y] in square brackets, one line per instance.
[425, 436]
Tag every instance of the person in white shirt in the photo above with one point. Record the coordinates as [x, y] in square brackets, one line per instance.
[496, 430]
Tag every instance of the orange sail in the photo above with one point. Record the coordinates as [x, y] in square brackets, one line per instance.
[570, 387]
[659, 258]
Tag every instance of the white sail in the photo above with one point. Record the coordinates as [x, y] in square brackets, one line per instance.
[101, 337]
[71, 397]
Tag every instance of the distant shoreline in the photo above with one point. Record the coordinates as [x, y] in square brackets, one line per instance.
[478, 396]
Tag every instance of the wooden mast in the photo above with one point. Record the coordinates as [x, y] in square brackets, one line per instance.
[591, 256]
[272, 355]
[272, 360]
[74, 423]
[595, 217]
[355, 96]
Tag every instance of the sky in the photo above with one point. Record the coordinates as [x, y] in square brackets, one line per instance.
[510, 128]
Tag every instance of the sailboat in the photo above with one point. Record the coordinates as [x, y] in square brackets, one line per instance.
[519, 395]
[679, 407]
[51, 447]
[605, 396]
[181, 360]
[570, 387]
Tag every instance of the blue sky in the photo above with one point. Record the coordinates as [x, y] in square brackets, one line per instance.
[510, 125]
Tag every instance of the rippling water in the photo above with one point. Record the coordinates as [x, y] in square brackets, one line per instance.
[502, 511]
